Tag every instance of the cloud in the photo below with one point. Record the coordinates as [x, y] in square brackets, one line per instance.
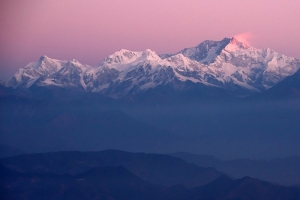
[244, 37]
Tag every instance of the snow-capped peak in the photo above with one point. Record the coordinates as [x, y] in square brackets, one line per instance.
[75, 61]
[121, 56]
[228, 64]
[124, 56]
[235, 44]
[205, 52]
[43, 58]
[150, 55]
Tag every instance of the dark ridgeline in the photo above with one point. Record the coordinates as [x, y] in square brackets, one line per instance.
[155, 168]
[7, 151]
[79, 175]
[283, 171]
[97, 183]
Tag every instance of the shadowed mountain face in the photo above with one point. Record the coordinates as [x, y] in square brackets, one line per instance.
[289, 88]
[157, 169]
[116, 182]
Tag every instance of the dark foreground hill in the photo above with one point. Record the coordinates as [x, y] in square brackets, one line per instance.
[154, 168]
[245, 188]
[284, 171]
[42, 178]
[7, 151]
[97, 183]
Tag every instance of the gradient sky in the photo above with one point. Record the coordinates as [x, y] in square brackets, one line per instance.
[90, 30]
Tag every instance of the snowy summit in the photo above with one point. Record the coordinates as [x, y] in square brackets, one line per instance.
[228, 64]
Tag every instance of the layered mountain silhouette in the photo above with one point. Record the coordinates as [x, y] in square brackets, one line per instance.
[39, 179]
[282, 171]
[155, 168]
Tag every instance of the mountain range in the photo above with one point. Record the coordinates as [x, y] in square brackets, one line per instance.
[223, 65]
[188, 101]
[222, 98]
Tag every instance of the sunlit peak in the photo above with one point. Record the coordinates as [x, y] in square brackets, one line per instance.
[244, 37]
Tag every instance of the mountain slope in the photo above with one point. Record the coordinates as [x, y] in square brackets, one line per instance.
[287, 88]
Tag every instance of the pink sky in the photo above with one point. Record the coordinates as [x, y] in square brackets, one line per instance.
[90, 30]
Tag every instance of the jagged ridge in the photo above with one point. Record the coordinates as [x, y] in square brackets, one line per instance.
[228, 64]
